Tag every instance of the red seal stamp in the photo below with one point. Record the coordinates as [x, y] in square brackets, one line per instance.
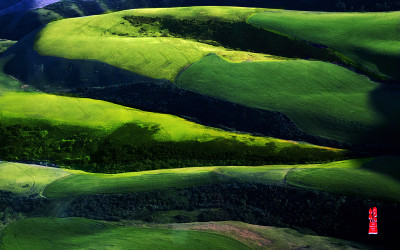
[373, 221]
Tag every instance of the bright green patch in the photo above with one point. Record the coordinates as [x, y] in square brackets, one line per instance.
[27, 179]
[59, 110]
[98, 136]
[322, 98]
[369, 39]
[143, 49]
[378, 179]
[79, 233]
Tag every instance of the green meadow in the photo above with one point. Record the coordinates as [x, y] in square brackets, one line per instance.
[322, 98]
[98, 136]
[349, 177]
[143, 49]
[25, 179]
[376, 179]
[79, 233]
[80, 182]
[368, 40]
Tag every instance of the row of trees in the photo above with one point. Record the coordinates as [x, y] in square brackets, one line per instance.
[323, 213]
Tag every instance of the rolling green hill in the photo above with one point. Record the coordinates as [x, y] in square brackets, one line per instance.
[112, 39]
[322, 99]
[368, 40]
[350, 177]
[103, 137]
[25, 179]
[72, 233]
[354, 109]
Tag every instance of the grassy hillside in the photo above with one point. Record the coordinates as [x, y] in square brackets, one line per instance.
[369, 40]
[112, 39]
[71, 233]
[379, 178]
[164, 42]
[86, 183]
[27, 179]
[103, 137]
[322, 99]
[350, 177]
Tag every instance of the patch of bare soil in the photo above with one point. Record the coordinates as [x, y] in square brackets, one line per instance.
[239, 233]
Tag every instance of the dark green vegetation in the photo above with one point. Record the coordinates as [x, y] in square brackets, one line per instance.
[132, 148]
[283, 206]
[232, 34]
[14, 208]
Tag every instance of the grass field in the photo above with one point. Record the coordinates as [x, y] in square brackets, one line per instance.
[87, 183]
[350, 177]
[108, 117]
[112, 138]
[25, 179]
[379, 178]
[79, 233]
[340, 105]
[370, 40]
[111, 39]
[74, 233]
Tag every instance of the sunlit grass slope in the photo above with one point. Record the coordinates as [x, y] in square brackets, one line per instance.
[379, 178]
[370, 40]
[103, 137]
[59, 110]
[349, 177]
[79, 233]
[27, 179]
[322, 98]
[71, 233]
[87, 183]
[110, 38]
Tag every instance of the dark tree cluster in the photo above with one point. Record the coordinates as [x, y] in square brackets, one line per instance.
[14, 207]
[283, 206]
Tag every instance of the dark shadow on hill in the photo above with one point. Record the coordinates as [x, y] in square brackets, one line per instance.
[385, 100]
[387, 165]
